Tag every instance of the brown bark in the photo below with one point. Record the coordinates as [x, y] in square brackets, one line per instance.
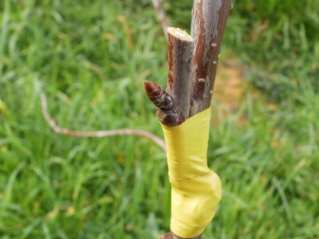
[208, 24]
[171, 235]
[180, 46]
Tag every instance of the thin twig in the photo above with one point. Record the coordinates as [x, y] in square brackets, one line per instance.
[161, 15]
[99, 134]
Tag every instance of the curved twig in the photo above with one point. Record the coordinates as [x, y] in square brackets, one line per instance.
[103, 133]
[161, 15]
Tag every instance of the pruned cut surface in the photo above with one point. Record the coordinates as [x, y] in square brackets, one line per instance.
[179, 33]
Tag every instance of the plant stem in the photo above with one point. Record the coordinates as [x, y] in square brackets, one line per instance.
[208, 24]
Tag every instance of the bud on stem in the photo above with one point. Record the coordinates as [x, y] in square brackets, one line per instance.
[158, 96]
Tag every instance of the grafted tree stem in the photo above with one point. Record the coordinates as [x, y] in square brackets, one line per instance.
[191, 79]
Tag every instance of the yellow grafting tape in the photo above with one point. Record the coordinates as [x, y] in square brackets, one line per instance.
[196, 190]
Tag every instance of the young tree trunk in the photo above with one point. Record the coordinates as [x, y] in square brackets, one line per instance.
[192, 68]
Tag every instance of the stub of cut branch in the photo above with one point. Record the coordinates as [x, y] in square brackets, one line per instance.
[180, 45]
[208, 24]
[99, 134]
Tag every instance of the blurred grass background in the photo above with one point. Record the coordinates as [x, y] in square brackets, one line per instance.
[91, 58]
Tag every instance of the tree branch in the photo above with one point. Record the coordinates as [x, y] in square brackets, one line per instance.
[99, 134]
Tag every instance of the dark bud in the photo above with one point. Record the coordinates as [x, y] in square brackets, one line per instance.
[158, 96]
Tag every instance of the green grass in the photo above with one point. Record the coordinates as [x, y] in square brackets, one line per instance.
[91, 60]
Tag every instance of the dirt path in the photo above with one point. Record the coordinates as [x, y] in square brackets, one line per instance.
[229, 86]
[230, 91]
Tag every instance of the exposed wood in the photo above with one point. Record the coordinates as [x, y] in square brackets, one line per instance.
[180, 45]
[161, 15]
[208, 24]
[99, 134]
[158, 95]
